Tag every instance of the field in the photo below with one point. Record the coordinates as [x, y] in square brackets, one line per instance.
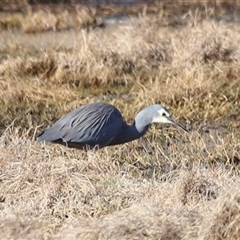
[167, 185]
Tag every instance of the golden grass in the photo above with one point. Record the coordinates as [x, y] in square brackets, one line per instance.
[195, 67]
[167, 185]
[44, 19]
[121, 192]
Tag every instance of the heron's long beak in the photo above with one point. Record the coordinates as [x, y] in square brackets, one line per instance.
[171, 120]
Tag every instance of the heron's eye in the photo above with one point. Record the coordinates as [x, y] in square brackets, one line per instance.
[164, 114]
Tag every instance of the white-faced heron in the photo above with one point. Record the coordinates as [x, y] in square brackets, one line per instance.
[101, 124]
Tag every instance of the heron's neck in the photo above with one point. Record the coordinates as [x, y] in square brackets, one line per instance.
[138, 129]
[129, 133]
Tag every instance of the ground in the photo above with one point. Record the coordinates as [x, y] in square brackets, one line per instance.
[168, 184]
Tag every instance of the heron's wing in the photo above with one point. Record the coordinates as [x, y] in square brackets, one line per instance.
[93, 124]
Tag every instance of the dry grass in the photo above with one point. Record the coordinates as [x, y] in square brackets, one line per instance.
[168, 185]
[195, 68]
[45, 19]
[57, 193]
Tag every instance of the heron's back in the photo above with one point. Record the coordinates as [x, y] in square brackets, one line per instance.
[92, 124]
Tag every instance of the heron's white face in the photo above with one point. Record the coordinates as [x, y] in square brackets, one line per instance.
[163, 116]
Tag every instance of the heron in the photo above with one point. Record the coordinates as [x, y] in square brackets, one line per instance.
[98, 125]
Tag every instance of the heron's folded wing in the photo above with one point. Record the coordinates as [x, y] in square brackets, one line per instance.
[93, 124]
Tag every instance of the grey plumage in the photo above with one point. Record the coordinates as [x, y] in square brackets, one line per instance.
[101, 124]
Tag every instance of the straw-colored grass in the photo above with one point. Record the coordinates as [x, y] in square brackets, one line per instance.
[167, 185]
[124, 192]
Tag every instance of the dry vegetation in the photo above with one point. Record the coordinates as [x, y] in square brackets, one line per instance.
[167, 185]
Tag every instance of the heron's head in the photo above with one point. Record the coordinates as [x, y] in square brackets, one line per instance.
[161, 115]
